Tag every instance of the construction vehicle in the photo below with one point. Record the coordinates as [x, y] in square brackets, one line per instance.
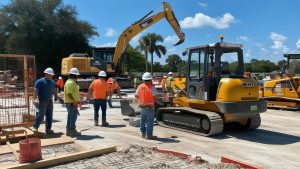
[216, 92]
[284, 91]
[109, 59]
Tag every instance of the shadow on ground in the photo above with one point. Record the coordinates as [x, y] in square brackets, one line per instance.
[259, 136]
[89, 137]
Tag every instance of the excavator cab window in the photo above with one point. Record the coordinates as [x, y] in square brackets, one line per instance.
[230, 65]
[197, 66]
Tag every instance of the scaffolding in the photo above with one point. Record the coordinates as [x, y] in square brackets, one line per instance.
[17, 77]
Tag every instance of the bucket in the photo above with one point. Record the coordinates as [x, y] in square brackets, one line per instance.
[30, 150]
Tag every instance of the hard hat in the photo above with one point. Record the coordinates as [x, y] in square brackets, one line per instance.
[170, 73]
[49, 71]
[165, 77]
[102, 74]
[147, 76]
[59, 77]
[74, 71]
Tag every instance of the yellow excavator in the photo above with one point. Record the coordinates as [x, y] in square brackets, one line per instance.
[109, 59]
[216, 92]
[284, 91]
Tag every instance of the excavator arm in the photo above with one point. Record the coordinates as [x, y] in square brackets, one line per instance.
[143, 24]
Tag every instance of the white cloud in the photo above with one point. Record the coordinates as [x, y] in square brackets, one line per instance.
[110, 32]
[201, 20]
[278, 43]
[298, 44]
[171, 39]
[244, 38]
[204, 5]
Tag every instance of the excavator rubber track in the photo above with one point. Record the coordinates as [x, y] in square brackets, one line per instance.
[200, 122]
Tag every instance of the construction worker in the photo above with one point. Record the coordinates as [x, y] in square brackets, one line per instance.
[136, 81]
[44, 89]
[163, 83]
[146, 95]
[60, 84]
[113, 87]
[169, 80]
[71, 99]
[99, 89]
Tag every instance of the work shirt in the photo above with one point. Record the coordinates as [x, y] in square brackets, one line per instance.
[72, 88]
[169, 79]
[146, 93]
[45, 89]
[99, 88]
[60, 83]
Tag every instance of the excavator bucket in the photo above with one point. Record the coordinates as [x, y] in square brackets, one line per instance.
[181, 39]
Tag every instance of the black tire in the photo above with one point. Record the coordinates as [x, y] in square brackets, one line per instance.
[205, 125]
[253, 122]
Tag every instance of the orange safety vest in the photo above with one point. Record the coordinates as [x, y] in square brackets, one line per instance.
[145, 95]
[163, 83]
[60, 83]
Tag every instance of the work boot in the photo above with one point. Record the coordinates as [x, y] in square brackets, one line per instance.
[35, 130]
[151, 137]
[96, 123]
[74, 133]
[49, 131]
[143, 135]
[67, 131]
[105, 124]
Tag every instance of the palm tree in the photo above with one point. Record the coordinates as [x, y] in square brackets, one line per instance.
[154, 47]
[143, 46]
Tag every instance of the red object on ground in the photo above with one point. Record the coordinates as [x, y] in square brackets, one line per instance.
[239, 163]
[30, 150]
[174, 153]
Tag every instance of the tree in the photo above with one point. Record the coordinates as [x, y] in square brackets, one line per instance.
[154, 47]
[136, 58]
[47, 29]
[173, 62]
[143, 46]
[281, 63]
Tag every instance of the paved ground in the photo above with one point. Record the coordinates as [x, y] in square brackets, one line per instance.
[276, 144]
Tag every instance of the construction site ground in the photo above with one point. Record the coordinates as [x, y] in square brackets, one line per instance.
[276, 144]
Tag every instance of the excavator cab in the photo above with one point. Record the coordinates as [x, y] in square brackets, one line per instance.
[208, 64]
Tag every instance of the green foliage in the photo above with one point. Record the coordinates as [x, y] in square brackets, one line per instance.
[47, 29]
[137, 60]
[174, 62]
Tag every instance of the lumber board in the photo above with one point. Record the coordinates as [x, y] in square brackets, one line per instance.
[65, 159]
[4, 149]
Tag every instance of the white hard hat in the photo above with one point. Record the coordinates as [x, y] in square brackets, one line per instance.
[102, 74]
[49, 71]
[74, 71]
[170, 73]
[59, 77]
[147, 76]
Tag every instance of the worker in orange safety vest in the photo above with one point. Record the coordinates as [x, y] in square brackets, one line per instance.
[146, 94]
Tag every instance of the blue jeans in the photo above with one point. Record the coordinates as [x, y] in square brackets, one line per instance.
[45, 109]
[147, 119]
[72, 116]
[97, 104]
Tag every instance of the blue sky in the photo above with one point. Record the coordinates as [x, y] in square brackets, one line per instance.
[266, 28]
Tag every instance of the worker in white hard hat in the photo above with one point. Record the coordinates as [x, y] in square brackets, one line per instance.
[146, 94]
[71, 99]
[60, 84]
[44, 89]
[168, 85]
[100, 91]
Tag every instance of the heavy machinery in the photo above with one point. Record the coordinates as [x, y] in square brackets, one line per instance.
[284, 91]
[216, 92]
[109, 59]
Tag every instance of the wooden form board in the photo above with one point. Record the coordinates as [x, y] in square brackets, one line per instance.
[4, 149]
[65, 159]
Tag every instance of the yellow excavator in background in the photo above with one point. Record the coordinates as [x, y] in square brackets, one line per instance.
[214, 93]
[109, 59]
[284, 91]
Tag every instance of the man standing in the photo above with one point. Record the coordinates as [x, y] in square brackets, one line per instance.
[60, 84]
[163, 83]
[146, 95]
[71, 99]
[99, 89]
[44, 89]
[169, 88]
[113, 87]
[136, 81]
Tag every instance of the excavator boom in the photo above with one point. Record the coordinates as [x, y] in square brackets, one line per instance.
[143, 24]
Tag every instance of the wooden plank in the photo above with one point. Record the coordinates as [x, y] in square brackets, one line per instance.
[4, 149]
[13, 150]
[65, 159]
